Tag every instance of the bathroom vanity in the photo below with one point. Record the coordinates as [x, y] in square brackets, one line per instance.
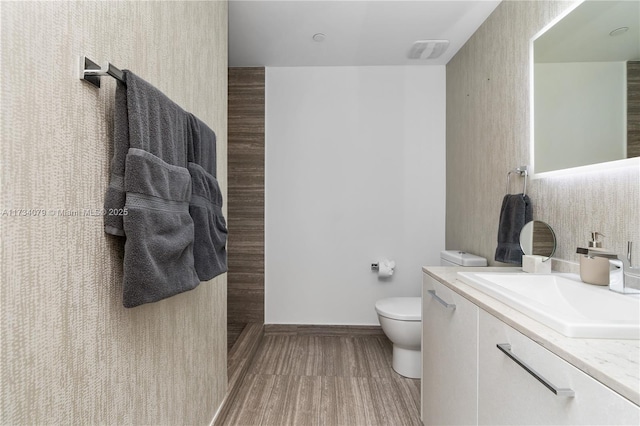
[487, 363]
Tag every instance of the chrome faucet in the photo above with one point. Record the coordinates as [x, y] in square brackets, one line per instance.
[623, 276]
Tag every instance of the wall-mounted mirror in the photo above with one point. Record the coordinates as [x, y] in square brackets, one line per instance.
[586, 87]
[537, 238]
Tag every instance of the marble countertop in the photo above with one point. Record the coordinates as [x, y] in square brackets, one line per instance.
[615, 363]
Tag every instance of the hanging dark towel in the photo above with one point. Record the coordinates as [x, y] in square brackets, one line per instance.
[151, 188]
[158, 251]
[515, 212]
[209, 252]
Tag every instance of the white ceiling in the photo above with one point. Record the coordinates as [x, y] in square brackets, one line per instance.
[358, 32]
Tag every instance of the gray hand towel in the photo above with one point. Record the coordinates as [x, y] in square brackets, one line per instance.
[515, 212]
[158, 252]
[210, 254]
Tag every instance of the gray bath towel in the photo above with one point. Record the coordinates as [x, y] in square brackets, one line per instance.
[515, 212]
[210, 253]
[149, 168]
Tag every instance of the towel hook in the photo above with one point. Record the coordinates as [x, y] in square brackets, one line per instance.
[522, 171]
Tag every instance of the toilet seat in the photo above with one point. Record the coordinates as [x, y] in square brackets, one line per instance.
[400, 308]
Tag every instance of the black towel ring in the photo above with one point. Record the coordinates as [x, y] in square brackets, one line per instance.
[522, 171]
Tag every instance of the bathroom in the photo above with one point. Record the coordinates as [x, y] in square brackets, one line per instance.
[72, 354]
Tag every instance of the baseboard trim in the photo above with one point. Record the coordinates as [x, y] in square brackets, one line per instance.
[238, 362]
[322, 330]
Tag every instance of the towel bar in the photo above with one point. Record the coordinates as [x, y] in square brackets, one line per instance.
[91, 72]
[522, 171]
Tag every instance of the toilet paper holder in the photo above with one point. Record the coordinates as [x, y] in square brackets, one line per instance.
[387, 263]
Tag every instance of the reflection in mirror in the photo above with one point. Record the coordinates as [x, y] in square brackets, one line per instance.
[586, 87]
[537, 238]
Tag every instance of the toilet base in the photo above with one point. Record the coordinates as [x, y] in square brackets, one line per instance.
[407, 362]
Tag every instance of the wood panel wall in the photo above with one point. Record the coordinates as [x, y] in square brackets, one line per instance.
[246, 199]
[633, 109]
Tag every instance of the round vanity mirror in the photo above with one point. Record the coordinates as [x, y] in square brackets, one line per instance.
[537, 238]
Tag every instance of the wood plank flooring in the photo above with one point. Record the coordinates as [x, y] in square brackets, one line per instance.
[311, 379]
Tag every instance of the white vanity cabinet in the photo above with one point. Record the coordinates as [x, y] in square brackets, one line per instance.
[467, 379]
[508, 394]
[449, 361]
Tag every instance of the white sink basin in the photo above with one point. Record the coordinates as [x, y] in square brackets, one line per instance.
[566, 305]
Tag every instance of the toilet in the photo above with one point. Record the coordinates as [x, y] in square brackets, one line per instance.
[401, 319]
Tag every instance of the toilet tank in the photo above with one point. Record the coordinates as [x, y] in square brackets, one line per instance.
[460, 258]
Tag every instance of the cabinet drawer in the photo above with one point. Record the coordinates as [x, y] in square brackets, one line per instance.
[449, 362]
[509, 394]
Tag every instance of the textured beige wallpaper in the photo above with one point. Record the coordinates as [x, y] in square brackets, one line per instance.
[70, 353]
[488, 135]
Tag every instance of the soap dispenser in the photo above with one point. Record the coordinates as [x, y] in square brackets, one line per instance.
[594, 243]
[594, 270]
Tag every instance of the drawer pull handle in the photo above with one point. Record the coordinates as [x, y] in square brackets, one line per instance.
[442, 302]
[506, 348]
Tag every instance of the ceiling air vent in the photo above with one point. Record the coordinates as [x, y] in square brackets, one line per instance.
[428, 49]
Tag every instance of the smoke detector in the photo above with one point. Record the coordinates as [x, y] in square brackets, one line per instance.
[428, 49]
[319, 37]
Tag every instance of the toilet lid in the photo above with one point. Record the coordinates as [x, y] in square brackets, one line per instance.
[400, 308]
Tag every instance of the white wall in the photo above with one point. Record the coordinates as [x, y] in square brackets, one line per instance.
[569, 132]
[355, 171]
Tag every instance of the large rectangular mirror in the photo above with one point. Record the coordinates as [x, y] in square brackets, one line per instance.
[586, 87]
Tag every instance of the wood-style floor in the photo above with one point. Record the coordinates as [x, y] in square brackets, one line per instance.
[323, 380]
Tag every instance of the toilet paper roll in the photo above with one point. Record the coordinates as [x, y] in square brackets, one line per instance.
[385, 268]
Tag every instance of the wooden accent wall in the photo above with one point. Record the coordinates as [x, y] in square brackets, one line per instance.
[633, 109]
[246, 199]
